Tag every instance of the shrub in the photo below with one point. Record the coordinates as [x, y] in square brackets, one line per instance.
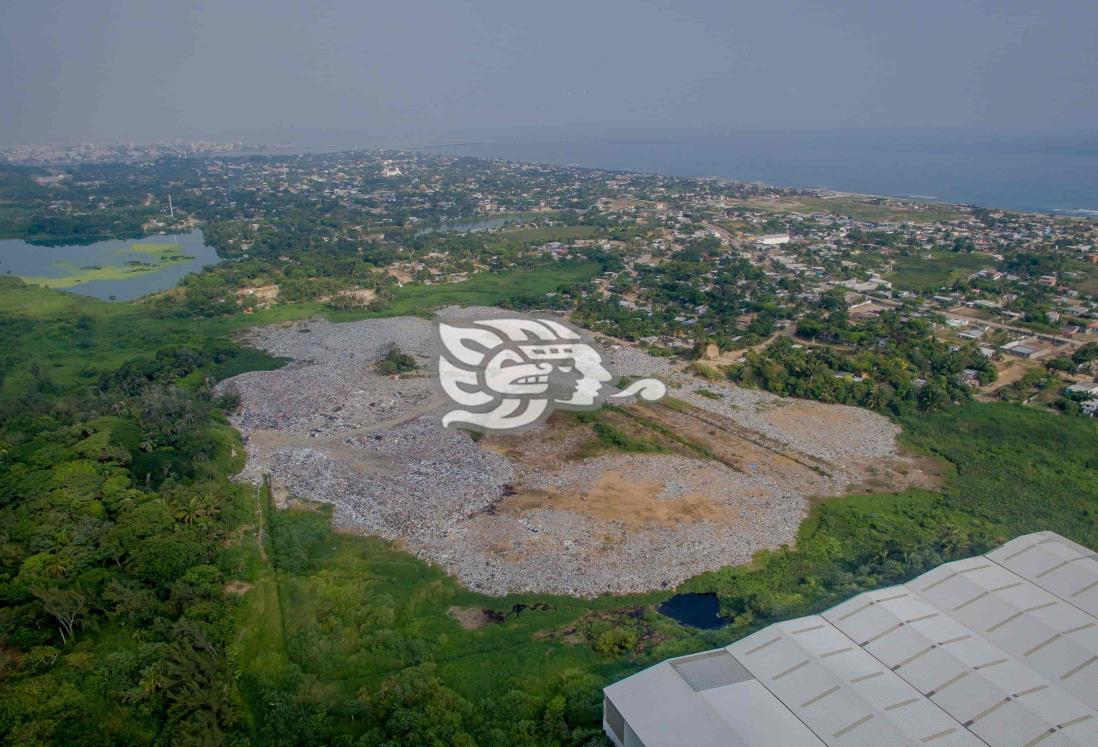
[395, 362]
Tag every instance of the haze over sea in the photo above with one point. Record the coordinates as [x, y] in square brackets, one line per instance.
[1053, 173]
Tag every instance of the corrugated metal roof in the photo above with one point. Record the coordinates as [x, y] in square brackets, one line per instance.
[999, 649]
[982, 686]
[753, 713]
[1054, 638]
[840, 691]
[1056, 564]
[662, 709]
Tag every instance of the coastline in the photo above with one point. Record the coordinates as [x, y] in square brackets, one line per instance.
[1053, 175]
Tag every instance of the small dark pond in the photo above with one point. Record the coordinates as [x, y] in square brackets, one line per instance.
[696, 610]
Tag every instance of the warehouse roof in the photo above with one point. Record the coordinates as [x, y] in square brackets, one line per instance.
[998, 649]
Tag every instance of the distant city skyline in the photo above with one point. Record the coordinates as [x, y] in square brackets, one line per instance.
[343, 73]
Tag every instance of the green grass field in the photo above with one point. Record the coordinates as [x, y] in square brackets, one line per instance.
[488, 290]
[942, 270]
[1018, 469]
[859, 208]
[90, 335]
[546, 233]
[342, 614]
[1086, 276]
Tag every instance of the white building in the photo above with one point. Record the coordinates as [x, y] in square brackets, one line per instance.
[999, 649]
[875, 282]
[1085, 388]
[773, 239]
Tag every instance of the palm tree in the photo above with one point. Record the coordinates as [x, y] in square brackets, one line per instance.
[189, 512]
[196, 509]
[55, 567]
[210, 509]
[953, 540]
[197, 683]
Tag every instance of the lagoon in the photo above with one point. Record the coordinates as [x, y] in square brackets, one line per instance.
[115, 270]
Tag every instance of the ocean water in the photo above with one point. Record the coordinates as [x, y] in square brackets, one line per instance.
[1051, 173]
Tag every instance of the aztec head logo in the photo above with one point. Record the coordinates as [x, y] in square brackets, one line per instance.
[504, 374]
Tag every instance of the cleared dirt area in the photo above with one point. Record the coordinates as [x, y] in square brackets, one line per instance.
[471, 618]
[619, 495]
[1009, 371]
[708, 467]
[262, 295]
[635, 497]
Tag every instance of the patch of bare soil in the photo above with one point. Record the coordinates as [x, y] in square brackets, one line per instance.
[401, 273]
[617, 495]
[237, 588]
[473, 618]
[715, 468]
[610, 633]
[562, 437]
[263, 295]
[363, 295]
[1008, 372]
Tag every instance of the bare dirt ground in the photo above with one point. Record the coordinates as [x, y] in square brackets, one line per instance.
[1009, 371]
[470, 618]
[556, 509]
[265, 295]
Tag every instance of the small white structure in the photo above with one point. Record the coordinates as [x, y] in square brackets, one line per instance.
[1086, 388]
[1027, 348]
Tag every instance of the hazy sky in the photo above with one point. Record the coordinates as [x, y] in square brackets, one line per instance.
[340, 72]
